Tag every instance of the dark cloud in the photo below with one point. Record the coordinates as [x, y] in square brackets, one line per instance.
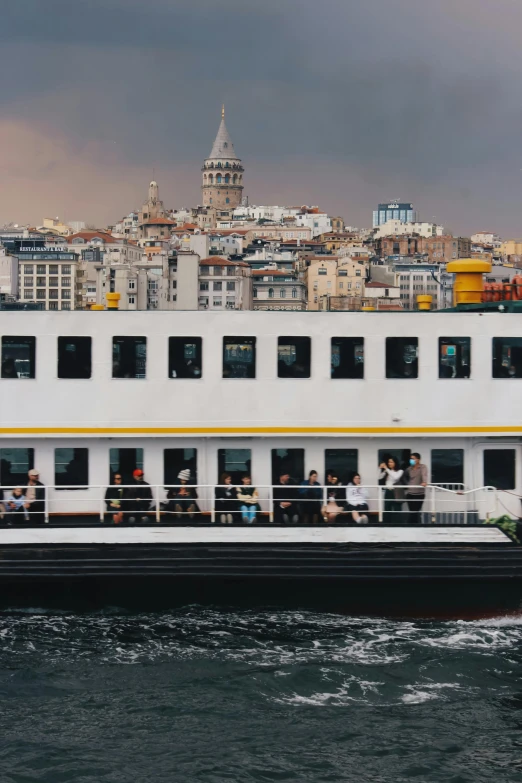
[375, 99]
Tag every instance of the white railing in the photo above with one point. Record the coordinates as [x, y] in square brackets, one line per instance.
[441, 504]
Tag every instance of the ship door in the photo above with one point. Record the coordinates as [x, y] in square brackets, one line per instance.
[499, 465]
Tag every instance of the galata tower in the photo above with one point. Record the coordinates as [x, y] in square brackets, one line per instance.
[222, 183]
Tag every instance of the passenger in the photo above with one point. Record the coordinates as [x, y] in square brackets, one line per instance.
[182, 499]
[9, 368]
[226, 497]
[248, 496]
[285, 507]
[35, 496]
[139, 497]
[114, 499]
[416, 477]
[334, 498]
[312, 495]
[17, 506]
[357, 500]
[392, 476]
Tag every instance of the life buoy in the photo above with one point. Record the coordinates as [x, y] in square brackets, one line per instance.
[517, 287]
[487, 294]
[496, 289]
[507, 292]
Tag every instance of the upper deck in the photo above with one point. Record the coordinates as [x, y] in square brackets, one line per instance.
[265, 404]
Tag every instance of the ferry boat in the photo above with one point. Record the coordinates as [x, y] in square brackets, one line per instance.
[87, 395]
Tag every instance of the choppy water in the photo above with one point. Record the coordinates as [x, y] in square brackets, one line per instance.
[214, 695]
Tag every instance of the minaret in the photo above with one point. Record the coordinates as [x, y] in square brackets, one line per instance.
[222, 183]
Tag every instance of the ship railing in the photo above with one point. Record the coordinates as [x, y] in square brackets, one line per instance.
[444, 504]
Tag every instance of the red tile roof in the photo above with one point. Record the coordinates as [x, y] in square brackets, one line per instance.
[158, 222]
[89, 235]
[218, 261]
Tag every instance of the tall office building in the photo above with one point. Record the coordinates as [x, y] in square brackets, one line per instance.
[394, 211]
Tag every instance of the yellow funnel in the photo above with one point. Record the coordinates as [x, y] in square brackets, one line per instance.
[113, 301]
[424, 301]
[97, 307]
[469, 282]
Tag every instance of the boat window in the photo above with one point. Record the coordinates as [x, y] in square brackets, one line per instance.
[447, 466]
[507, 357]
[185, 359]
[15, 465]
[237, 462]
[293, 357]
[342, 462]
[454, 357]
[18, 357]
[71, 467]
[125, 461]
[175, 460]
[401, 457]
[129, 357]
[499, 468]
[288, 461]
[402, 357]
[347, 357]
[239, 357]
[74, 357]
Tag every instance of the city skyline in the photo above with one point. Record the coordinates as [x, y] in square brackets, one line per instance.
[394, 99]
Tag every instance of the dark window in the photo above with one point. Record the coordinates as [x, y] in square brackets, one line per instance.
[71, 466]
[15, 465]
[18, 357]
[507, 357]
[74, 357]
[447, 466]
[125, 461]
[237, 462]
[347, 357]
[343, 462]
[293, 357]
[401, 457]
[185, 357]
[402, 360]
[175, 460]
[288, 461]
[239, 357]
[454, 357]
[499, 468]
[129, 357]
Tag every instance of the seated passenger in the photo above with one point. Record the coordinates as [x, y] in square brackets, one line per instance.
[114, 498]
[312, 495]
[226, 497]
[248, 496]
[139, 497]
[357, 500]
[16, 506]
[181, 499]
[334, 498]
[285, 507]
[35, 498]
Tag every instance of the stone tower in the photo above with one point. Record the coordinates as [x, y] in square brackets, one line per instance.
[222, 183]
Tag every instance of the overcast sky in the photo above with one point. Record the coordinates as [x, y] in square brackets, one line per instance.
[341, 103]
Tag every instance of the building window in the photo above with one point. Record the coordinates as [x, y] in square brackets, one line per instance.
[294, 357]
[239, 357]
[454, 357]
[18, 357]
[185, 357]
[132, 285]
[282, 293]
[294, 293]
[288, 461]
[28, 293]
[66, 270]
[53, 281]
[42, 281]
[53, 269]
[402, 359]
[15, 464]
[217, 303]
[66, 294]
[347, 357]
[28, 269]
[53, 293]
[342, 463]
[71, 468]
[124, 462]
[322, 272]
[231, 286]
[29, 281]
[53, 305]
[66, 305]
[129, 357]
[74, 357]
[218, 286]
[270, 293]
[231, 271]
[41, 269]
[499, 468]
[254, 292]
[131, 300]
[237, 462]
[175, 460]
[507, 357]
[203, 286]
[447, 466]
[66, 282]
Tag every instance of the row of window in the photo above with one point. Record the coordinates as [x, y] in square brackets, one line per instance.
[185, 358]
[71, 465]
[44, 269]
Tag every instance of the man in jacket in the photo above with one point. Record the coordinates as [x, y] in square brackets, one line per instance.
[35, 498]
[416, 477]
[139, 497]
[114, 499]
[285, 495]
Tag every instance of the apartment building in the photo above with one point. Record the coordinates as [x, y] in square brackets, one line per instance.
[333, 276]
[49, 278]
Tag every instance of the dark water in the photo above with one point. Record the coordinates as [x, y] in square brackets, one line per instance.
[199, 694]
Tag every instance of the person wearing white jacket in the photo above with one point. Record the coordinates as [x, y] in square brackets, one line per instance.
[357, 500]
[392, 503]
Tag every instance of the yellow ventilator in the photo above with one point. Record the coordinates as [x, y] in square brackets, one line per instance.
[113, 301]
[469, 281]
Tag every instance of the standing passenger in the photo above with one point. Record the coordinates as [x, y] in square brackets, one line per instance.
[417, 479]
[392, 475]
[285, 507]
[312, 494]
[140, 497]
[357, 500]
[248, 496]
[35, 497]
[226, 497]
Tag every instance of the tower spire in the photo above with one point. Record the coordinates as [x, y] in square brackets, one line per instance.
[223, 112]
